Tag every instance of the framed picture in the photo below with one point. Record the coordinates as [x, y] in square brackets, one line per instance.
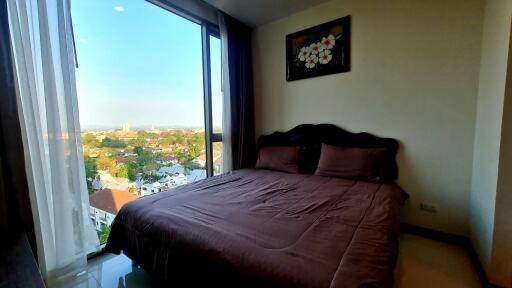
[319, 50]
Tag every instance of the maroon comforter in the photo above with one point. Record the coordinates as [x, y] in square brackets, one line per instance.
[263, 228]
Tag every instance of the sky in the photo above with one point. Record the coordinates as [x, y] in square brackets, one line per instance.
[142, 65]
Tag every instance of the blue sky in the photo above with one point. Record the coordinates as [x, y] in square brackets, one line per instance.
[140, 64]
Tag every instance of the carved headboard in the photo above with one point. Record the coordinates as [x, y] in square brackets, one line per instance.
[309, 137]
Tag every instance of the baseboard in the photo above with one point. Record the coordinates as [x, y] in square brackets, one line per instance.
[452, 239]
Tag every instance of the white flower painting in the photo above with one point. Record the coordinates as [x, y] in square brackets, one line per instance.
[311, 61]
[318, 52]
[315, 48]
[328, 42]
[324, 57]
[304, 53]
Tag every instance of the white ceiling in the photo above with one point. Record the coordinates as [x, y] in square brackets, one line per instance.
[258, 12]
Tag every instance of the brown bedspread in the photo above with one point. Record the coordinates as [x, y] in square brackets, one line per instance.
[263, 228]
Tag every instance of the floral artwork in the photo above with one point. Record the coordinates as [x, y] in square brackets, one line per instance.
[320, 50]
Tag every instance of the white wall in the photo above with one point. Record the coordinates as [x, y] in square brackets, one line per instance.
[488, 131]
[414, 77]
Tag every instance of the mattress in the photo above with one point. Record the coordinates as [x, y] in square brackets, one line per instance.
[261, 228]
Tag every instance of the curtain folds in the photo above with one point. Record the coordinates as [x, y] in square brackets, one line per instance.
[41, 39]
[15, 213]
[238, 121]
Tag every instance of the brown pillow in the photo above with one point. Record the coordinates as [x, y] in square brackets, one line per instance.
[352, 163]
[279, 158]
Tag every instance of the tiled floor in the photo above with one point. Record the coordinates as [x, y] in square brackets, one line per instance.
[422, 263]
[427, 263]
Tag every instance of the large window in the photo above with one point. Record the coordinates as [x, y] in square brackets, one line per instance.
[150, 100]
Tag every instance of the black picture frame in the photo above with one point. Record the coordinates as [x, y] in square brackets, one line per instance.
[337, 30]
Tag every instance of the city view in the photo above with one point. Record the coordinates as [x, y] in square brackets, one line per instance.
[120, 162]
[140, 93]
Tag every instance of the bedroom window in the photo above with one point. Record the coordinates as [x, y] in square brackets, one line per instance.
[150, 100]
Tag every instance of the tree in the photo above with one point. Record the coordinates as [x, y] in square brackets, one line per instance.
[90, 172]
[139, 141]
[122, 171]
[90, 167]
[138, 150]
[106, 163]
[133, 170]
[147, 161]
[112, 143]
[179, 138]
[193, 151]
[103, 233]
[90, 140]
[167, 139]
[142, 134]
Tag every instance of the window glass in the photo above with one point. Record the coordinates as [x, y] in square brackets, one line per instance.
[140, 94]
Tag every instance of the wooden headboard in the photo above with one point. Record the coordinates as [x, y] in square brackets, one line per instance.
[309, 137]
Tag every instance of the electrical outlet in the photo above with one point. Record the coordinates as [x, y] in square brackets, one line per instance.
[430, 208]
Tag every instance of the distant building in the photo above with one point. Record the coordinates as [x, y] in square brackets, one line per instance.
[126, 127]
[139, 182]
[148, 189]
[199, 161]
[96, 183]
[196, 174]
[167, 159]
[173, 181]
[105, 204]
[170, 170]
[117, 183]
[163, 184]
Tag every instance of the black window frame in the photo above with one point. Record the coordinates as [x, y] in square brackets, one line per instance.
[208, 30]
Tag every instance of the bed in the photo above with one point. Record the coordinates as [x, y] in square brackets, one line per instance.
[262, 228]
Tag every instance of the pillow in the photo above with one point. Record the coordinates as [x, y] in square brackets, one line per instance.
[365, 164]
[279, 158]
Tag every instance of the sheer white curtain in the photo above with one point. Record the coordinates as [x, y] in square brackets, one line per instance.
[227, 152]
[42, 43]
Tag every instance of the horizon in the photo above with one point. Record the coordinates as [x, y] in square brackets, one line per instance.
[138, 127]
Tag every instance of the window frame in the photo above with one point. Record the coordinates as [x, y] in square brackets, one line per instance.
[208, 30]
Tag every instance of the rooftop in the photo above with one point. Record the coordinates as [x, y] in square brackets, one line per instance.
[111, 200]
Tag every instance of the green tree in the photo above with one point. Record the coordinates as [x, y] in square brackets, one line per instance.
[112, 143]
[180, 138]
[103, 233]
[193, 151]
[142, 134]
[90, 167]
[133, 170]
[138, 150]
[167, 139]
[139, 141]
[90, 140]
[147, 161]
[122, 171]
[106, 163]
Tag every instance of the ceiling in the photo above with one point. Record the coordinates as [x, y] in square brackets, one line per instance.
[258, 12]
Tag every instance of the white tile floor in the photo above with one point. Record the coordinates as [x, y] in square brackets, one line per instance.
[422, 263]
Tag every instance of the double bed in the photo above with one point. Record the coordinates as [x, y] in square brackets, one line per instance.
[263, 228]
